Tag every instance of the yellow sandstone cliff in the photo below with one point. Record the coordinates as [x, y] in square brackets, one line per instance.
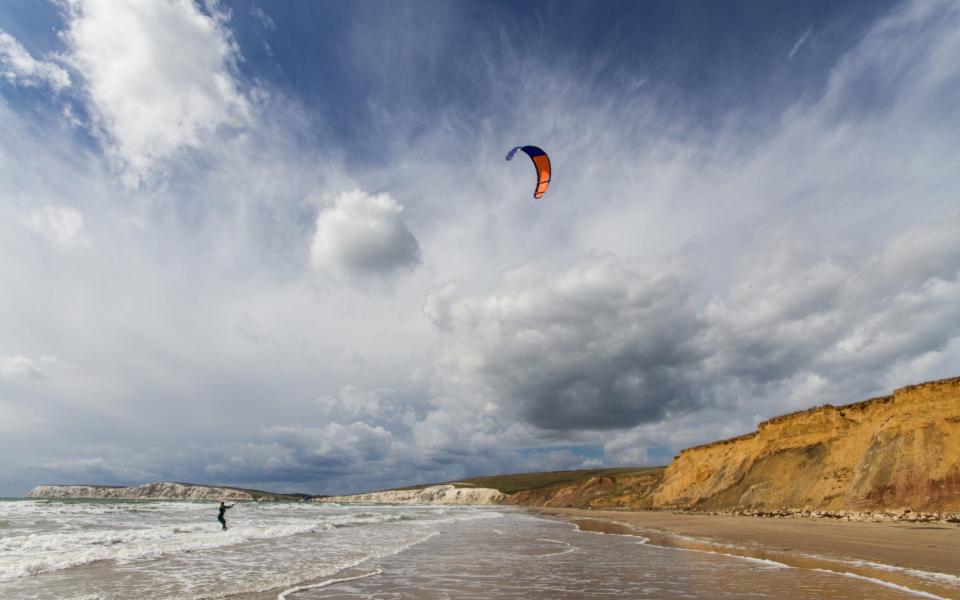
[898, 451]
[894, 452]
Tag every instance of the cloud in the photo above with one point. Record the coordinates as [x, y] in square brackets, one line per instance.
[362, 237]
[60, 225]
[19, 420]
[438, 304]
[159, 76]
[263, 18]
[19, 368]
[20, 68]
[92, 470]
[382, 406]
[604, 343]
[250, 330]
[800, 41]
[683, 279]
[843, 320]
[335, 443]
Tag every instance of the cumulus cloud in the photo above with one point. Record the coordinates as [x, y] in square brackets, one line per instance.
[438, 303]
[160, 75]
[843, 320]
[336, 443]
[605, 343]
[20, 68]
[363, 237]
[376, 406]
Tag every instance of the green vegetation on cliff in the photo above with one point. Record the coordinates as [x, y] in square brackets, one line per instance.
[525, 482]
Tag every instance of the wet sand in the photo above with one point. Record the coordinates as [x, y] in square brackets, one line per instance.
[833, 545]
[927, 547]
[536, 557]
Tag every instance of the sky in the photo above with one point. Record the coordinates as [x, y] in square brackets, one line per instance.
[276, 245]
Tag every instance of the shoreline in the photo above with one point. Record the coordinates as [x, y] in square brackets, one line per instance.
[918, 557]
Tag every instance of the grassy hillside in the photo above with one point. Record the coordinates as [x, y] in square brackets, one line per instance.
[523, 482]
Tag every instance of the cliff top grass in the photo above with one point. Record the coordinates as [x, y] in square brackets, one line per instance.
[519, 482]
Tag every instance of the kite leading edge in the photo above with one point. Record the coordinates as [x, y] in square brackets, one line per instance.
[541, 162]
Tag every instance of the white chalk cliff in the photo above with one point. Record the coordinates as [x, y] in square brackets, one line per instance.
[147, 491]
[434, 494]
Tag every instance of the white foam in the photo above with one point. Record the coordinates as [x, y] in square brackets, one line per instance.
[327, 583]
[887, 584]
[762, 561]
[79, 533]
[46, 552]
[640, 539]
[569, 548]
[933, 576]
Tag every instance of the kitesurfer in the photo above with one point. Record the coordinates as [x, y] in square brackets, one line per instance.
[223, 509]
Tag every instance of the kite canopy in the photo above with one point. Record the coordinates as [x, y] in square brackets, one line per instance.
[541, 162]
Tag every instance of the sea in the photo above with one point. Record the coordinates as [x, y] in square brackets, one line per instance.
[109, 549]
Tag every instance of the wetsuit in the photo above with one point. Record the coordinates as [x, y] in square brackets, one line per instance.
[223, 509]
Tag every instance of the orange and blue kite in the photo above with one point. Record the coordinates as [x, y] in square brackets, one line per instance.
[541, 163]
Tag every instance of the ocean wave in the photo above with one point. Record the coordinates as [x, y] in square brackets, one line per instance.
[41, 553]
[80, 540]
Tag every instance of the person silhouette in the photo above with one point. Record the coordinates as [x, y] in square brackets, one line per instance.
[223, 509]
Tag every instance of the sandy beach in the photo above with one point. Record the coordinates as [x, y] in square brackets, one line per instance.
[932, 548]
[311, 551]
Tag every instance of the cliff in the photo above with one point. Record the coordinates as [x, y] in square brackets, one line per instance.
[435, 494]
[620, 491]
[154, 491]
[897, 451]
[894, 454]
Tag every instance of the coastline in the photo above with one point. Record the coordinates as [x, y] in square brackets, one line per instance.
[920, 557]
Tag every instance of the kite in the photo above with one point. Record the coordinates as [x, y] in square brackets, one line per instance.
[542, 164]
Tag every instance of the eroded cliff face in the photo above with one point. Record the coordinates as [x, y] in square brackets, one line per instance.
[895, 453]
[634, 491]
[147, 491]
[898, 451]
[435, 494]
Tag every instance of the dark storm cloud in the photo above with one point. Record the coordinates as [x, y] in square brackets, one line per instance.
[605, 344]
